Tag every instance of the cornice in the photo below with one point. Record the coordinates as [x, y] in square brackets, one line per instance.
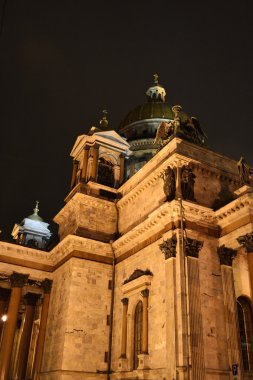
[80, 199]
[136, 285]
[70, 247]
[163, 219]
[234, 207]
[73, 243]
[24, 253]
[173, 161]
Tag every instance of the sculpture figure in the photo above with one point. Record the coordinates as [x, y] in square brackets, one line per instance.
[244, 171]
[169, 185]
[188, 129]
[187, 183]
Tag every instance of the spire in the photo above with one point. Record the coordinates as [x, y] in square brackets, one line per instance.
[156, 93]
[156, 79]
[36, 209]
[35, 215]
[104, 122]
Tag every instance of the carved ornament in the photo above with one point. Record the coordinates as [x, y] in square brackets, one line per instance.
[226, 255]
[47, 285]
[138, 273]
[192, 247]
[18, 280]
[168, 247]
[125, 301]
[169, 185]
[145, 293]
[187, 183]
[246, 241]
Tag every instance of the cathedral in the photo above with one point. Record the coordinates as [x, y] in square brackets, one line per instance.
[152, 274]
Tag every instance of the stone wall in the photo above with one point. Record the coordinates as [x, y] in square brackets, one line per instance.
[77, 331]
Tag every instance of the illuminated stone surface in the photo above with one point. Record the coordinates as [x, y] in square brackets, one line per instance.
[192, 317]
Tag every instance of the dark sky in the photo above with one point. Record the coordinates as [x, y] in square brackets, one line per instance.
[62, 62]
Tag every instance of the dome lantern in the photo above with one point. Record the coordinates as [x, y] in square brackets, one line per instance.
[156, 93]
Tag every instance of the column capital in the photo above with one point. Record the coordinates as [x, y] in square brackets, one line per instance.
[18, 280]
[125, 301]
[226, 255]
[47, 285]
[31, 298]
[192, 247]
[145, 293]
[169, 247]
[246, 241]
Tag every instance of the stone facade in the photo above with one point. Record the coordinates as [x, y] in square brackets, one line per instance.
[190, 323]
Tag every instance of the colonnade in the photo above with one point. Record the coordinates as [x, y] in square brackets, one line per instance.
[93, 151]
[30, 300]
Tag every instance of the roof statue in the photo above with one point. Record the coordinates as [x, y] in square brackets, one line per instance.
[188, 129]
[244, 171]
[104, 122]
[103, 125]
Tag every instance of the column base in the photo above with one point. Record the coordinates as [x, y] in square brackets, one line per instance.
[143, 361]
[123, 364]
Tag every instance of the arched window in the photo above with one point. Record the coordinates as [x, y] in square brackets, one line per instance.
[246, 332]
[105, 172]
[137, 332]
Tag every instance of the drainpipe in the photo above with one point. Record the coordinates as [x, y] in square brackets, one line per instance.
[111, 317]
[112, 302]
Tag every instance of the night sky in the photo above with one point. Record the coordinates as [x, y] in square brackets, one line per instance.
[63, 62]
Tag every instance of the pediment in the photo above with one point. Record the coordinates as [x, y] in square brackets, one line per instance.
[113, 136]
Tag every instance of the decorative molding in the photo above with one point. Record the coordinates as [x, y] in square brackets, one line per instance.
[192, 247]
[145, 292]
[18, 280]
[168, 247]
[246, 241]
[4, 277]
[138, 273]
[226, 255]
[174, 160]
[232, 207]
[46, 285]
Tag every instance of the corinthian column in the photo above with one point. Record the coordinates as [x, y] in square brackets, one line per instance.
[85, 162]
[124, 328]
[18, 280]
[145, 294]
[30, 301]
[94, 163]
[122, 169]
[74, 173]
[46, 285]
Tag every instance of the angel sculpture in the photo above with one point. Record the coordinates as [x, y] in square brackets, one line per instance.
[187, 128]
[164, 131]
[244, 171]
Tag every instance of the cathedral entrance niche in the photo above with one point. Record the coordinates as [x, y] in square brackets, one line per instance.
[105, 172]
[137, 333]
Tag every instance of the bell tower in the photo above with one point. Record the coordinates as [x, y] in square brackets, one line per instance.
[99, 156]
[98, 171]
